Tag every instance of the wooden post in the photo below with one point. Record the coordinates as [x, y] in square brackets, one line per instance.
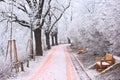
[27, 63]
[9, 45]
[15, 56]
[7, 50]
[12, 45]
[10, 42]
[22, 66]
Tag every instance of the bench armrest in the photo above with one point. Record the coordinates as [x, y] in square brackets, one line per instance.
[110, 60]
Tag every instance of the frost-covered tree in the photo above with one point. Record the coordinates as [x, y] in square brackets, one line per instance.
[96, 24]
[34, 12]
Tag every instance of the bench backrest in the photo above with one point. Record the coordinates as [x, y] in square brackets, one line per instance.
[109, 57]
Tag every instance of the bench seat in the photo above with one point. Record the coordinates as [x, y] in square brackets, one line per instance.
[103, 63]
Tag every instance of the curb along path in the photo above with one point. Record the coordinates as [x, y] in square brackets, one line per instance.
[70, 70]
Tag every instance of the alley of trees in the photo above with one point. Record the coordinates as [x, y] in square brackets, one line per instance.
[39, 16]
[30, 27]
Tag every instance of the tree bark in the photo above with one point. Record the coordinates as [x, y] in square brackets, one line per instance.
[38, 42]
[52, 37]
[56, 39]
[69, 41]
[47, 40]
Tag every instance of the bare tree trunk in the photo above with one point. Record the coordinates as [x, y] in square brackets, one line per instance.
[52, 37]
[56, 39]
[38, 42]
[47, 40]
[69, 41]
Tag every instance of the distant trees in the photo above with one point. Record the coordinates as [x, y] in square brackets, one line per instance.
[54, 16]
[54, 36]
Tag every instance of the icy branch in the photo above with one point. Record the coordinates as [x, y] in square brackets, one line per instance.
[29, 3]
[60, 16]
[48, 10]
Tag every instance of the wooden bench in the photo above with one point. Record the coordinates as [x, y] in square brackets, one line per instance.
[81, 50]
[105, 62]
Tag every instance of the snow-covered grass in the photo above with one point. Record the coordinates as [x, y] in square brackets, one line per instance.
[114, 74]
[23, 75]
[5, 69]
[28, 70]
[33, 65]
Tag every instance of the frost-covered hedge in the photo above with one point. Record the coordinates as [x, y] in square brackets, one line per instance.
[96, 25]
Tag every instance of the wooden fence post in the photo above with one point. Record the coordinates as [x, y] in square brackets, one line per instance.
[22, 66]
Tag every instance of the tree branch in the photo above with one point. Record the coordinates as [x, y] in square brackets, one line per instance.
[60, 16]
[15, 19]
[22, 22]
[3, 20]
[34, 3]
[29, 3]
[48, 10]
[53, 15]
[23, 8]
[18, 5]
[40, 9]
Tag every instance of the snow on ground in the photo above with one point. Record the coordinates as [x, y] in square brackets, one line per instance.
[28, 71]
[56, 65]
[89, 60]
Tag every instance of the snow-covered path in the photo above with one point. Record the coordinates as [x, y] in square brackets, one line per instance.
[57, 65]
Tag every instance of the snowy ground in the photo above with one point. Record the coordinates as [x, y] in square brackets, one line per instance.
[56, 65]
[88, 60]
